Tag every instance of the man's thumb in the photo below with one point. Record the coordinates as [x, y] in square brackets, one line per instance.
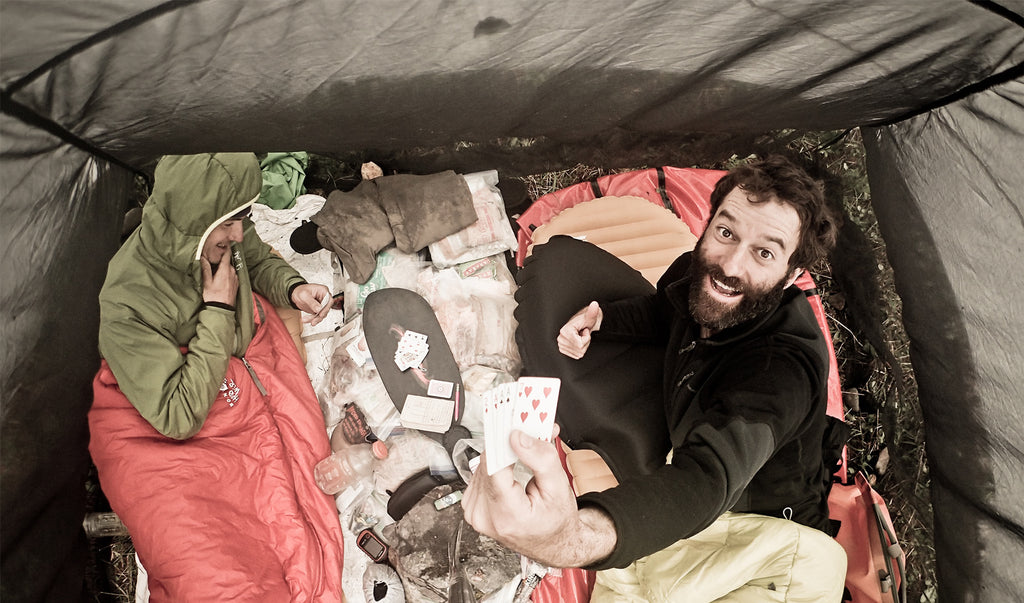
[538, 455]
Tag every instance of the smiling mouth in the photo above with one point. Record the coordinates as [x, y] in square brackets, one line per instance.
[722, 289]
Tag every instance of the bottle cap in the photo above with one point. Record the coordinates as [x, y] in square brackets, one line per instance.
[380, 449]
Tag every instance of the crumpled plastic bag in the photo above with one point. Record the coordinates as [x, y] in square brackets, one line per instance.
[420, 553]
[476, 315]
[394, 269]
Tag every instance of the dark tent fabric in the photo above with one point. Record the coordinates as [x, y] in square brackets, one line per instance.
[957, 249]
[94, 91]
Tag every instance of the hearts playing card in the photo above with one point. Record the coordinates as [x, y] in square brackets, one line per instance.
[527, 405]
[534, 411]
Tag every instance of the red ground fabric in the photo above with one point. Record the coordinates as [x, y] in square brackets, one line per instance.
[232, 513]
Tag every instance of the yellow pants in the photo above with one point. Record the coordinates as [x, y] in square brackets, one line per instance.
[741, 558]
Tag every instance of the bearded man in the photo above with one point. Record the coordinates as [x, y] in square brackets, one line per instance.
[740, 510]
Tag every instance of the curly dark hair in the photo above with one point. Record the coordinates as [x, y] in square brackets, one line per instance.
[778, 176]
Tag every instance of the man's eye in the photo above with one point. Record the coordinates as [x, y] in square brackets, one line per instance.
[766, 254]
[724, 232]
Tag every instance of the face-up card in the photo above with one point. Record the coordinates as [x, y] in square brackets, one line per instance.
[528, 405]
[412, 349]
[535, 405]
[497, 427]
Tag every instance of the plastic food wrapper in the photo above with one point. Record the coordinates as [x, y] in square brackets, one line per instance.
[489, 235]
[476, 380]
[353, 379]
[427, 542]
[573, 585]
[466, 456]
[476, 315]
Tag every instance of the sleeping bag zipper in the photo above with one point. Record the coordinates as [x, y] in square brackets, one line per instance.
[248, 367]
[255, 379]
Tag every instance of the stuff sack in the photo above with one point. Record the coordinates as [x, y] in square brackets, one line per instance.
[876, 564]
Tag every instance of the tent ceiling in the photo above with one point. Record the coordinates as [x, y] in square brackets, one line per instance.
[186, 77]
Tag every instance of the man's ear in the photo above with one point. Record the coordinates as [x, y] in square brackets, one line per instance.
[793, 276]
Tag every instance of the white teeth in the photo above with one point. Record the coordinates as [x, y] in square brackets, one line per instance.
[720, 285]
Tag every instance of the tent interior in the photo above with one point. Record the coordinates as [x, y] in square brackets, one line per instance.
[95, 92]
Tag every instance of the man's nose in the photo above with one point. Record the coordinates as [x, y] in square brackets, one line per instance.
[732, 261]
[236, 233]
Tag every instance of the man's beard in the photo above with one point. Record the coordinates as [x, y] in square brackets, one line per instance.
[717, 316]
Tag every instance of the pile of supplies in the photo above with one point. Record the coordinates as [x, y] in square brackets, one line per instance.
[398, 468]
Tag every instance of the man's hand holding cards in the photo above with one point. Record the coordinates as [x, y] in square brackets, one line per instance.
[527, 405]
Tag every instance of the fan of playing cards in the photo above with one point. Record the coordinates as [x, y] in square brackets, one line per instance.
[412, 349]
[528, 405]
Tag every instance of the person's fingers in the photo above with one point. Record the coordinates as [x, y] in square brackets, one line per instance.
[490, 496]
[225, 259]
[565, 346]
[571, 341]
[542, 458]
[207, 269]
[593, 311]
[313, 300]
[471, 509]
[322, 305]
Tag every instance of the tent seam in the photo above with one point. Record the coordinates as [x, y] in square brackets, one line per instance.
[96, 38]
[1002, 77]
[28, 116]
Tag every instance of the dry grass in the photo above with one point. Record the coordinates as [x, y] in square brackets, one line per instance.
[888, 441]
[872, 350]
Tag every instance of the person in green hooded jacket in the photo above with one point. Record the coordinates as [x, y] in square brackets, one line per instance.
[184, 281]
[213, 475]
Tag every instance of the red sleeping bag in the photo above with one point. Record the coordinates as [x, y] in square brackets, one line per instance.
[232, 514]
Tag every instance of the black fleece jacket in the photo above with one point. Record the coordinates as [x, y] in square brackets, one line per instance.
[746, 414]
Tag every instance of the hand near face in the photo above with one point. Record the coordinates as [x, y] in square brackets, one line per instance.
[540, 521]
[314, 300]
[220, 286]
[574, 337]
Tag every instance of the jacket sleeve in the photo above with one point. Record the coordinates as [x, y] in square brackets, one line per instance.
[635, 319]
[645, 318]
[269, 273]
[760, 403]
[172, 390]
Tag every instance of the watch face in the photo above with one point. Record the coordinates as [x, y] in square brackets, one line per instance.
[370, 545]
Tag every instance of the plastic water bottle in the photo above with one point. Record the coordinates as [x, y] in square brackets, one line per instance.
[347, 466]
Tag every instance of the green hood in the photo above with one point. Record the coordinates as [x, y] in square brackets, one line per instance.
[151, 304]
[193, 194]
